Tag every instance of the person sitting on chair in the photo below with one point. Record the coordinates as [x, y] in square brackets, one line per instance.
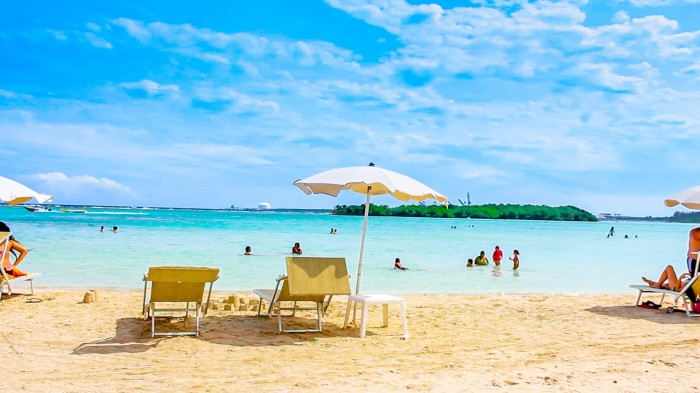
[15, 248]
[674, 283]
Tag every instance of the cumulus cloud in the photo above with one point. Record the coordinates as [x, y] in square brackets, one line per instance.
[226, 48]
[97, 41]
[233, 99]
[58, 179]
[11, 95]
[59, 35]
[525, 40]
[150, 87]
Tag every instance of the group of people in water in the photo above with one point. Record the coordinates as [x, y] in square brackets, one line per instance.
[668, 279]
[483, 260]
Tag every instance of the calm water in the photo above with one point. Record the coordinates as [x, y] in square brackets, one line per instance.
[570, 257]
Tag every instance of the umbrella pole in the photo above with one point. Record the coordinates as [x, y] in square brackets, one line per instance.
[362, 252]
[362, 245]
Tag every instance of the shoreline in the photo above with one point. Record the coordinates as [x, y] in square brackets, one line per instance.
[62, 288]
[531, 343]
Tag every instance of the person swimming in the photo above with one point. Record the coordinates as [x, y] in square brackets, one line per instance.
[398, 265]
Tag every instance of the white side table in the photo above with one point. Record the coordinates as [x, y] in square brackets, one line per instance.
[384, 300]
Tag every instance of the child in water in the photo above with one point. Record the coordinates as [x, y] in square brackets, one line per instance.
[470, 262]
[515, 259]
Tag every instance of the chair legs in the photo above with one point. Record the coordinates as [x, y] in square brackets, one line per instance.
[319, 314]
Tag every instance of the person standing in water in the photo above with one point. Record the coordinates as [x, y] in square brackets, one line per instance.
[481, 260]
[497, 256]
[516, 259]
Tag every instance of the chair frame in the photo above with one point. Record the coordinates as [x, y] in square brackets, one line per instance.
[272, 297]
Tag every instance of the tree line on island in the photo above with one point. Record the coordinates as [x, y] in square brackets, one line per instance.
[488, 211]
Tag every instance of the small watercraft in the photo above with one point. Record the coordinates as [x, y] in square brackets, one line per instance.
[37, 208]
[74, 210]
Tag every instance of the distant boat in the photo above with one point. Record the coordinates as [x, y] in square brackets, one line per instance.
[37, 208]
[74, 210]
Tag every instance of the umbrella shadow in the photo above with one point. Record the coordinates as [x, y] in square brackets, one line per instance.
[660, 316]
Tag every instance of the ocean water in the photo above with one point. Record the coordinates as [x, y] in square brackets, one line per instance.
[562, 257]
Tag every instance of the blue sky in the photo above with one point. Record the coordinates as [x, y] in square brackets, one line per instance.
[209, 104]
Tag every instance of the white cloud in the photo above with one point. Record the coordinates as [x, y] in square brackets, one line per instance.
[97, 41]
[93, 26]
[58, 179]
[227, 48]
[59, 35]
[238, 101]
[150, 87]
[12, 95]
[604, 75]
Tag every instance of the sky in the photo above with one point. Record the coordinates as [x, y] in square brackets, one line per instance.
[219, 103]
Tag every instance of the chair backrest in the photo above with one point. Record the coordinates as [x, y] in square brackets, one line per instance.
[316, 276]
[179, 283]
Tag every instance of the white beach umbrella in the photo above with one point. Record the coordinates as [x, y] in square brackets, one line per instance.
[13, 193]
[689, 198]
[368, 180]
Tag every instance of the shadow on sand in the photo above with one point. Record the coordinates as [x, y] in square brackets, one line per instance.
[133, 335]
[634, 312]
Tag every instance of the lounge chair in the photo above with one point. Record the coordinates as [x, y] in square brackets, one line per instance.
[5, 279]
[688, 293]
[177, 284]
[308, 279]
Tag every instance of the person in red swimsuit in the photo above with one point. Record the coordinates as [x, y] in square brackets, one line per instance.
[497, 256]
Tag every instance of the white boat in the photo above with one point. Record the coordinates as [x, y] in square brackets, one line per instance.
[37, 208]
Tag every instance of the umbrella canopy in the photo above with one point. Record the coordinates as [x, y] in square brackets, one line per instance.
[368, 180]
[14, 193]
[689, 198]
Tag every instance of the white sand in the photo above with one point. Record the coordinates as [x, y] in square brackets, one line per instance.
[532, 343]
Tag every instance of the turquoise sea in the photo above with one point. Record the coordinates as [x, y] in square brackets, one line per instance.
[569, 257]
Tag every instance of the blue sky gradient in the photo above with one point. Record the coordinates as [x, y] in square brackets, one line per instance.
[172, 103]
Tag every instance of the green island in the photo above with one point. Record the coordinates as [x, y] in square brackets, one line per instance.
[489, 211]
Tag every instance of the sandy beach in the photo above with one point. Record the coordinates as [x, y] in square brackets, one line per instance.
[574, 343]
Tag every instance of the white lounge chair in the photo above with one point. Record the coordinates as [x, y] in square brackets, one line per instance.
[6, 280]
[689, 293]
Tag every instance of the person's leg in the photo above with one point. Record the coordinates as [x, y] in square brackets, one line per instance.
[668, 274]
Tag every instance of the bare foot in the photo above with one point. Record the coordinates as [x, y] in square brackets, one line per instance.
[652, 284]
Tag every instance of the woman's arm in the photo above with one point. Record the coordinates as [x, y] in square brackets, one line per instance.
[15, 245]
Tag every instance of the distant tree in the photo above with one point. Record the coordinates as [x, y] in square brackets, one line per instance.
[488, 211]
